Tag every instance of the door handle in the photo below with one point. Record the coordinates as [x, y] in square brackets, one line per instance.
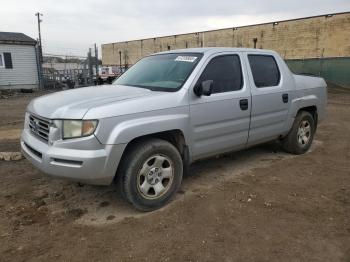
[285, 98]
[243, 103]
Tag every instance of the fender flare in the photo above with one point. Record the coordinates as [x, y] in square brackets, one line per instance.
[128, 130]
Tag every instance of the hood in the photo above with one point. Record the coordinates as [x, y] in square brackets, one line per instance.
[73, 104]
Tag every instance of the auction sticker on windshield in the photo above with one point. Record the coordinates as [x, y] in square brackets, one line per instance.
[189, 59]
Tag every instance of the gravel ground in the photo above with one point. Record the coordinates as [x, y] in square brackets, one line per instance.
[260, 204]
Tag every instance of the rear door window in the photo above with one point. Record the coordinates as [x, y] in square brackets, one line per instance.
[265, 70]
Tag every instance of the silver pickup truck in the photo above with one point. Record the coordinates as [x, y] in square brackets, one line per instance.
[165, 112]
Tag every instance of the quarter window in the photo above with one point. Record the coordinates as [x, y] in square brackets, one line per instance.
[265, 70]
[226, 73]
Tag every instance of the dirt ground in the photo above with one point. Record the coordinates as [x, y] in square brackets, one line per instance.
[257, 205]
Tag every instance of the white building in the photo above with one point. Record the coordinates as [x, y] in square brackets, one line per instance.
[18, 61]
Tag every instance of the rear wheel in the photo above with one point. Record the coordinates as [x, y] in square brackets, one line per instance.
[300, 137]
[151, 174]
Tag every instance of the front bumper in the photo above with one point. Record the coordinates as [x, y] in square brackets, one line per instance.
[96, 166]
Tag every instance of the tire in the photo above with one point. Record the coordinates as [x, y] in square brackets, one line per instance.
[300, 137]
[151, 174]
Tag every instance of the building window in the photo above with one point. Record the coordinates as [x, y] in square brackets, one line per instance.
[6, 60]
[2, 62]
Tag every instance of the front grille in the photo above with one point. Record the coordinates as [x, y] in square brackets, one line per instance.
[39, 127]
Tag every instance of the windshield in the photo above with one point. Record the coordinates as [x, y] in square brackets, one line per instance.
[164, 72]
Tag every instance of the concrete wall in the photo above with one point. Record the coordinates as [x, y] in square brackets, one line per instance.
[314, 37]
[24, 73]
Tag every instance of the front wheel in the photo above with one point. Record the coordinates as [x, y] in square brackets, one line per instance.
[300, 137]
[151, 174]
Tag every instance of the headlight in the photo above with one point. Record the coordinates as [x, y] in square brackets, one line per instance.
[78, 128]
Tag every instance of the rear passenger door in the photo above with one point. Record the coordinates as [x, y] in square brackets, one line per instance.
[220, 122]
[271, 96]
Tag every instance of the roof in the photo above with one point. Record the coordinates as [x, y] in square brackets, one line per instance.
[213, 50]
[16, 38]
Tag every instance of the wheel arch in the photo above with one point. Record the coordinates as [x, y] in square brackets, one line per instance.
[312, 110]
[175, 137]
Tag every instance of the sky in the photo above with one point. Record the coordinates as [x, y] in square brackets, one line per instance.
[71, 27]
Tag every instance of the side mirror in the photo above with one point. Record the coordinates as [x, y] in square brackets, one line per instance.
[205, 88]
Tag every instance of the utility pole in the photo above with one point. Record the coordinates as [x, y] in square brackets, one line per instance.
[40, 52]
[120, 61]
[96, 60]
[39, 21]
[90, 67]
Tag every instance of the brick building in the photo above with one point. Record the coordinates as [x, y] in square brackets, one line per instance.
[318, 45]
